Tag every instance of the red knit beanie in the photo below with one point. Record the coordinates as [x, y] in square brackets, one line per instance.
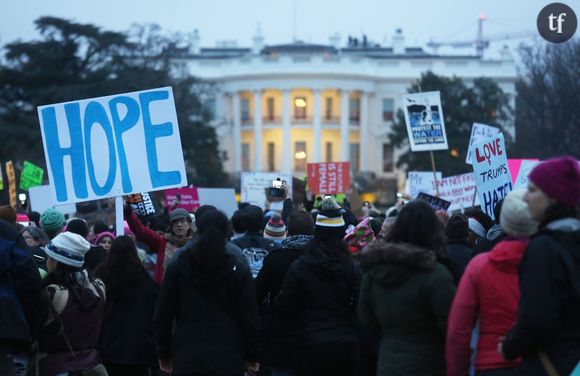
[559, 179]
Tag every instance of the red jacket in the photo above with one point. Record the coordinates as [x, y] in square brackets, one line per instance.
[489, 289]
[156, 243]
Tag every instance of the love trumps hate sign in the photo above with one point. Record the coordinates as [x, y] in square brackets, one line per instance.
[112, 146]
[492, 175]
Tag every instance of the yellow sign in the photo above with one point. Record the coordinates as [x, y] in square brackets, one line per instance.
[11, 183]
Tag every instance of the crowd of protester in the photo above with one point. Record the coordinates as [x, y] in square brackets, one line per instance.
[411, 291]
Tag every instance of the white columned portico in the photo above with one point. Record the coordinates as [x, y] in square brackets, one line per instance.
[257, 130]
[237, 132]
[364, 131]
[286, 139]
[317, 128]
[344, 147]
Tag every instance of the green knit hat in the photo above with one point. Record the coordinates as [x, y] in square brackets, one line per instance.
[51, 220]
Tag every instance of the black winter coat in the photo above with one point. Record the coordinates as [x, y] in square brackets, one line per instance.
[280, 337]
[207, 322]
[321, 291]
[20, 291]
[127, 335]
[549, 309]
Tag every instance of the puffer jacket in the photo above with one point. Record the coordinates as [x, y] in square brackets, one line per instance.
[407, 294]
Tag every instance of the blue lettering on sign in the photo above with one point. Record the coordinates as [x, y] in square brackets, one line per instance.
[152, 132]
[121, 126]
[56, 153]
[95, 114]
[80, 127]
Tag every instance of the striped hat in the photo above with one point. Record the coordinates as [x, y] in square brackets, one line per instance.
[275, 228]
[329, 223]
[68, 248]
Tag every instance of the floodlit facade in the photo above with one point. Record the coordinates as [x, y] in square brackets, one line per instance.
[280, 107]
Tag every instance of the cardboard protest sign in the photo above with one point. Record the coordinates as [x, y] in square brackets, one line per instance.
[419, 181]
[479, 132]
[254, 185]
[435, 202]
[41, 198]
[112, 146]
[492, 175]
[424, 119]
[30, 176]
[328, 178]
[526, 167]
[141, 203]
[11, 183]
[222, 198]
[515, 165]
[186, 198]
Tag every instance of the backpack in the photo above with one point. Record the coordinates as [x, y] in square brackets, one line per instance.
[254, 254]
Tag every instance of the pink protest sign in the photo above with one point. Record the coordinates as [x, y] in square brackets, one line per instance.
[514, 166]
[186, 198]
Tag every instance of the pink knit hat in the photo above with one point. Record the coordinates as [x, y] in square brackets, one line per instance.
[559, 178]
[102, 235]
[360, 236]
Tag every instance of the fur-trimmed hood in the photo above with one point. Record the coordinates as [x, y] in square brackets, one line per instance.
[397, 253]
[391, 264]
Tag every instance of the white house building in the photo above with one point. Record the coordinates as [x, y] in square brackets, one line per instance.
[279, 107]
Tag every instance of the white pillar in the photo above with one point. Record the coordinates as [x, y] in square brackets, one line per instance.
[317, 128]
[364, 132]
[286, 138]
[237, 132]
[344, 147]
[257, 130]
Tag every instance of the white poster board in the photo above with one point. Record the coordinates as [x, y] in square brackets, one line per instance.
[492, 174]
[254, 184]
[459, 190]
[525, 169]
[112, 146]
[41, 198]
[222, 198]
[479, 132]
[419, 181]
[425, 122]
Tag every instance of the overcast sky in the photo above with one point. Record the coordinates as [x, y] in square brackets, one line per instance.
[315, 20]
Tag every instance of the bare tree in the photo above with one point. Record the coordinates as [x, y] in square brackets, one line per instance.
[548, 101]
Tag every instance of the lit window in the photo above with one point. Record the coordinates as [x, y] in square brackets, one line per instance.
[300, 156]
[300, 108]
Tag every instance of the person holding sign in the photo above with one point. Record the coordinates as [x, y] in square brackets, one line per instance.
[165, 246]
[547, 332]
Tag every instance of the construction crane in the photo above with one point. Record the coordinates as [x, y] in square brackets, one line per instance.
[480, 42]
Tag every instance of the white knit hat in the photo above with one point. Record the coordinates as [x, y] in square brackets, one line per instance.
[68, 248]
[515, 218]
[476, 227]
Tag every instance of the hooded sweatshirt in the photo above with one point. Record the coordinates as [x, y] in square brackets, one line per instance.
[489, 290]
[320, 290]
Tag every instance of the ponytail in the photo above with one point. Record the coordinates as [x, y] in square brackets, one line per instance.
[209, 252]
